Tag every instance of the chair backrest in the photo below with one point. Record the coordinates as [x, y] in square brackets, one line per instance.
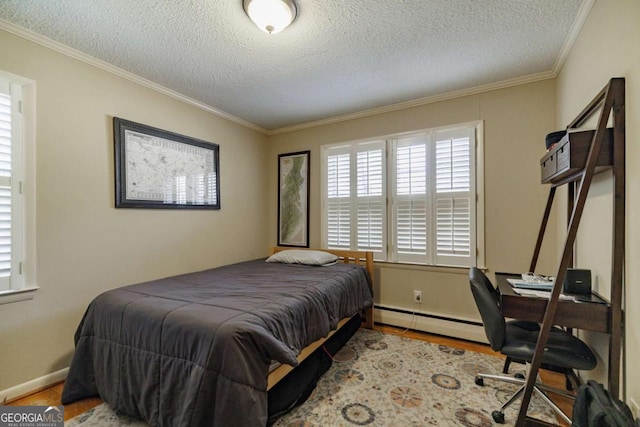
[488, 302]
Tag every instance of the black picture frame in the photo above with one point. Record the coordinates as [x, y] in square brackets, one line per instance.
[158, 169]
[293, 199]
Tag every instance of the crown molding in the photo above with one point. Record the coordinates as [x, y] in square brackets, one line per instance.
[581, 18]
[98, 63]
[583, 13]
[418, 102]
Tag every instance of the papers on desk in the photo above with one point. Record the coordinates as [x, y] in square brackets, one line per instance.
[541, 287]
[525, 284]
[541, 294]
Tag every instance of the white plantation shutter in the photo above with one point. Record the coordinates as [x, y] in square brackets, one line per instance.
[411, 207]
[5, 237]
[430, 199]
[454, 192]
[354, 197]
[10, 175]
[5, 189]
[370, 200]
[453, 228]
[338, 203]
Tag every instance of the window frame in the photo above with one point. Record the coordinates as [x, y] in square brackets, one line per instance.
[389, 253]
[23, 281]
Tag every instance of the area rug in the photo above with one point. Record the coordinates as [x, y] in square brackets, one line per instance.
[380, 379]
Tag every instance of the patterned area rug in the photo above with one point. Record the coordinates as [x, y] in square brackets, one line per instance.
[381, 379]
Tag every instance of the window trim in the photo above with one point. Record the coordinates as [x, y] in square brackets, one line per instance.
[390, 139]
[27, 288]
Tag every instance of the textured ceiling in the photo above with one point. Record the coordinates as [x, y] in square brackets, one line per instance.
[337, 58]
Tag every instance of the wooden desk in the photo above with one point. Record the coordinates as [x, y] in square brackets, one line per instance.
[590, 316]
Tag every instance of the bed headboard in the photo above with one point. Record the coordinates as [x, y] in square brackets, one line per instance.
[349, 257]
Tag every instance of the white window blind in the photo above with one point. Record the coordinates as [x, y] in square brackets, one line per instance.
[338, 205]
[411, 199]
[354, 197]
[5, 188]
[427, 208]
[10, 178]
[370, 198]
[453, 195]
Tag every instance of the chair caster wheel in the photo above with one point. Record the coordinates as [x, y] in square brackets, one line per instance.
[498, 417]
[519, 375]
[479, 381]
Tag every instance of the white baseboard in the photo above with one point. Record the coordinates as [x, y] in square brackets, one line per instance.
[32, 386]
[451, 327]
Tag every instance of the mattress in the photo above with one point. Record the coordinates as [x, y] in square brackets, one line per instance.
[195, 349]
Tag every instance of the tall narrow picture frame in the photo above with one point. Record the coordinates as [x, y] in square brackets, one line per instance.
[164, 170]
[293, 199]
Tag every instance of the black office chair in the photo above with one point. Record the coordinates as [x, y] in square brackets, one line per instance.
[523, 324]
[572, 382]
[563, 350]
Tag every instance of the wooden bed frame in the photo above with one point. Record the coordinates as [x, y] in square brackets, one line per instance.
[352, 257]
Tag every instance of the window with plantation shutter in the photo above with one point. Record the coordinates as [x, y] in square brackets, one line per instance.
[410, 209]
[354, 202]
[370, 199]
[453, 196]
[426, 210]
[338, 204]
[5, 187]
[5, 236]
[11, 203]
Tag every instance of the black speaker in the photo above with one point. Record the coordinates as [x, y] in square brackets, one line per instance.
[578, 281]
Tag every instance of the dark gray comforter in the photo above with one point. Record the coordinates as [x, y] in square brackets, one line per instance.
[195, 349]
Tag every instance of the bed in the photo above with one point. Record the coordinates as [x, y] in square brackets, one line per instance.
[198, 349]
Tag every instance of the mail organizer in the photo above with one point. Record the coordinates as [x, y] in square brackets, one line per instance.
[569, 156]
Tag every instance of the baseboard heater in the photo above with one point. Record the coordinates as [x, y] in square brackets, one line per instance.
[428, 322]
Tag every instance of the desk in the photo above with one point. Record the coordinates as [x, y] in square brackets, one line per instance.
[590, 316]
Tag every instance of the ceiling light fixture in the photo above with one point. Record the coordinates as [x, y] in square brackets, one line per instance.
[271, 16]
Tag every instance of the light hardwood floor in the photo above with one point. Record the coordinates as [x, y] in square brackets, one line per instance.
[51, 396]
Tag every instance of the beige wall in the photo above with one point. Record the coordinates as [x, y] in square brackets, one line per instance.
[86, 246]
[515, 123]
[607, 47]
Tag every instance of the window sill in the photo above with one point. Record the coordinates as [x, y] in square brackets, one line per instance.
[10, 296]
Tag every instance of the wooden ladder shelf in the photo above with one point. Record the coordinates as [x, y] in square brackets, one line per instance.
[611, 103]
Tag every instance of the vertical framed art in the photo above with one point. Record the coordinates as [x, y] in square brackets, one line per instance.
[293, 199]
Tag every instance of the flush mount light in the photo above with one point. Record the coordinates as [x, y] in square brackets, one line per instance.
[271, 16]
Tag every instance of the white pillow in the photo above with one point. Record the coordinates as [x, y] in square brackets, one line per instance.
[308, 257]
